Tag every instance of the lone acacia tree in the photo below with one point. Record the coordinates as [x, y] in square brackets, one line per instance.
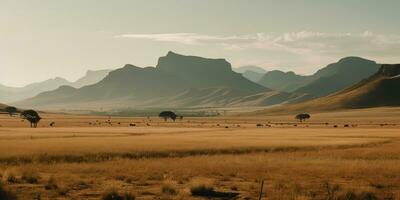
[32, 116]
[11, 110]
[303, 117]
[168, 114]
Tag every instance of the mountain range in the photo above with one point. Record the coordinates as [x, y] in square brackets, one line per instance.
[180, 81]
[12, 94]
[176, 81]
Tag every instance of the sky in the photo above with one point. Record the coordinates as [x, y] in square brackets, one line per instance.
[42, 39]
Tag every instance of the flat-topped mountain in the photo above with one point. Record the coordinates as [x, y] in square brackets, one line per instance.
[204, 72]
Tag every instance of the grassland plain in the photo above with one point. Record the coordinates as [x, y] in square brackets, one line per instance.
[82, 157]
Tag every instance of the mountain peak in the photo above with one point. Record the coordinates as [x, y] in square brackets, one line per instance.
[354, 59]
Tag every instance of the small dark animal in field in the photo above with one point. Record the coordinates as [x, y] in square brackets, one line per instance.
[52, 124]
[119, 123]
[259, 125]
[226, 126]
[335, 126]
[346, 126]
[132, 124]
[148, 124]
[295, 125]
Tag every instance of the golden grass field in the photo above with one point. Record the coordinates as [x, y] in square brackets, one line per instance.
[83, 157]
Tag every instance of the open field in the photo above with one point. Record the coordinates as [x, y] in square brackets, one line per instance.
[82, 157]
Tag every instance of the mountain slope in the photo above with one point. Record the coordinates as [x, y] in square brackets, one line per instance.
[338, 76]
[330, 79]
[381, 89]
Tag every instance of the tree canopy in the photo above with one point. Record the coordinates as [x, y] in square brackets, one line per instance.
[11, 110]
[32, 116]
[303, 116]
[168, 114]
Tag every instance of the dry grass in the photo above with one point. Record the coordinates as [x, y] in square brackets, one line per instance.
[184, 160]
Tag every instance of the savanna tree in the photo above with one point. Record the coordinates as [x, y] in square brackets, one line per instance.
[11, 110]
[168, 115]
[32, 116]
[303, 117]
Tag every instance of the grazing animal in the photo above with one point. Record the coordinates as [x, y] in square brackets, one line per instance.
[52, 124]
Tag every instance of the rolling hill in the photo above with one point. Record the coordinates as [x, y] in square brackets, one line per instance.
[381, 89]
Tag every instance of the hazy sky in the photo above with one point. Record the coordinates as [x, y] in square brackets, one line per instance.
[41, 39]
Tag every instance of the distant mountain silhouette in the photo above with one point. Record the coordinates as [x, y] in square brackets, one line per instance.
[91, 77]
[284, 81]
[12, 94]
[250, 68]
[381, 89]
[328, 80]
[252, 73]
[337, 76]
[176, 81]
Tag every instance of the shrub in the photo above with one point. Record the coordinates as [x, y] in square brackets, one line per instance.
[114, 195]
[367, 196]
[168, 189]
[10, 177]
[30, 177]
[202, 190]
[51, 184]
[6, 194]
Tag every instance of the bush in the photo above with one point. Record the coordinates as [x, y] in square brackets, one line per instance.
[202, 190]
[30, 177]
[51, 184]
[6, 195]
[10, 177]
[114, 195]
[168, 189]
